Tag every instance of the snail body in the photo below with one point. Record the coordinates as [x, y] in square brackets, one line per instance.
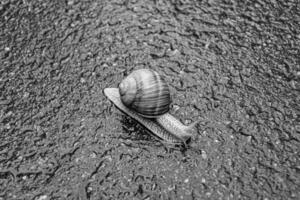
[145, 96]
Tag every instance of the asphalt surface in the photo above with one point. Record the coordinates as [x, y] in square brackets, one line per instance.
[235, 65]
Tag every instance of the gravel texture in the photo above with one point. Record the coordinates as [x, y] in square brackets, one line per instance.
[233, 63]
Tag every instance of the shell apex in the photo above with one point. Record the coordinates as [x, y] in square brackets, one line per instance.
[128, 89]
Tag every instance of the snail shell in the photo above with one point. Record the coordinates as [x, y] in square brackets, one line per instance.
[145, 92]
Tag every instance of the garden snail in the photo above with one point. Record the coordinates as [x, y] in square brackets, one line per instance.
[145, 96]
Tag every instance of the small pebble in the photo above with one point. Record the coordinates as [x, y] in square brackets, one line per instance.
[26, 94]
[43, 197]
[203, 154]
[176, 107]
[82, 80]
[71, 2]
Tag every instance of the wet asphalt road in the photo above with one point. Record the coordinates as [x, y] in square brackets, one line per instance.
[236, 65]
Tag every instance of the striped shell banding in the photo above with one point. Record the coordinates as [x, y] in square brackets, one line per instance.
[145, 92]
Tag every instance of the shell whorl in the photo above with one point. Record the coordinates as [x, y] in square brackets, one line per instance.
[146, 92]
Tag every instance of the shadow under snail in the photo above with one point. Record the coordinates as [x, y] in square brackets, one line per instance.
[145, 96]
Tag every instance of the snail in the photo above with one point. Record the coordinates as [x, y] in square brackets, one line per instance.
[145, 96]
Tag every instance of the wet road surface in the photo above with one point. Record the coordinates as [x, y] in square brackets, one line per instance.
[236, 65]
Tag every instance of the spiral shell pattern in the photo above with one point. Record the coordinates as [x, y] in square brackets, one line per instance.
[145, 92]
